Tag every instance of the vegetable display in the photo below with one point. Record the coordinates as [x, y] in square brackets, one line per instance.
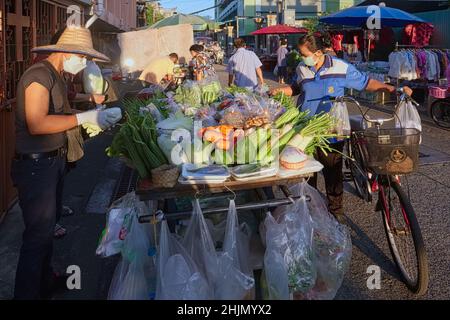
[244, 128]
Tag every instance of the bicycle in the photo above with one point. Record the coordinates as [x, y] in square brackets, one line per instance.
[439, 110]
[377, 158]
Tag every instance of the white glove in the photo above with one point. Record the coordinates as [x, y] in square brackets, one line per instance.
[92, 130]
[102, 118]
[114, 115]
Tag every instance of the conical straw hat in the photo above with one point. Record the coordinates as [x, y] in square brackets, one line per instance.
[74, 40]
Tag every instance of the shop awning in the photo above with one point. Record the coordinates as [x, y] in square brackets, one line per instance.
[359, 16]
[279, 29]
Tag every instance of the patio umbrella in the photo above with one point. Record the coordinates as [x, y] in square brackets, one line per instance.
[358, 17]
[279, 29]
[198, 23]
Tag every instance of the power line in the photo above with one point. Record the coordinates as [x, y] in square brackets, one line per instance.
[205, 9]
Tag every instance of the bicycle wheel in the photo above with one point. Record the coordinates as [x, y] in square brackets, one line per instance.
[404, 236]
[440, 112]
[359, 175]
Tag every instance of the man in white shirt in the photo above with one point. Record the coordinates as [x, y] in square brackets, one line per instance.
[244, 67]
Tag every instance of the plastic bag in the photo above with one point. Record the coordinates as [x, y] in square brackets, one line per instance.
[332, 247]
[153, 110]
[179, 278]
[408, 117]
[118, 224]
[135, 275]
[235, 280]
[275, 267]
[207, 115]
[290, 238]
[200, 245]
[93, 82]
[275, 71]
[339, 112]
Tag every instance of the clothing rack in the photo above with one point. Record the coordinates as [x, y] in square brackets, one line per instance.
[405, 46]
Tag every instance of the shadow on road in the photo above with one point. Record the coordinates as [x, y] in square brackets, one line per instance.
[371, 250]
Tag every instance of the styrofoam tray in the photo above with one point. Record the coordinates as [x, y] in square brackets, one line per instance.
[268, 172]
[263, 175]
[182, 180]
[196, 176]
[311, 166]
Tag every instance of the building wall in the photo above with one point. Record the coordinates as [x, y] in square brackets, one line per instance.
[121, 13]
[336, 5]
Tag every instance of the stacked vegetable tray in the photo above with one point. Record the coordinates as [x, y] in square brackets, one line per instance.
[202, 125]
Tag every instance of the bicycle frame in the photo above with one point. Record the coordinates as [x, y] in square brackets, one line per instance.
[377, 182]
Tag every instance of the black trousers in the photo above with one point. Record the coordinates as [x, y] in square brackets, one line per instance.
[40, 186]
[334, 177]
[282, 73]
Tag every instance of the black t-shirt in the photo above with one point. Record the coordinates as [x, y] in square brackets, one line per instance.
[25, 142]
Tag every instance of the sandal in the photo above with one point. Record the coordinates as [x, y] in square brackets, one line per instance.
[59, 231]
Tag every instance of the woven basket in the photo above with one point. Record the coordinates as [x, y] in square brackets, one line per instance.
[165, 176]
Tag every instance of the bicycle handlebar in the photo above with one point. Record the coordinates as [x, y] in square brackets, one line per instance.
[400, 92]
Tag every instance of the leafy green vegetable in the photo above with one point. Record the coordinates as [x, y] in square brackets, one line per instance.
[286, 101]
[234, 89]
[176, 121]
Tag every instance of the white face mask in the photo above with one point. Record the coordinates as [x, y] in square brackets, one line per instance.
[74, 64]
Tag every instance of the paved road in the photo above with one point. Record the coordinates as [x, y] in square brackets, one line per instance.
[430, 189]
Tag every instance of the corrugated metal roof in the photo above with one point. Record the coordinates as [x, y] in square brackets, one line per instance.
[411, 6]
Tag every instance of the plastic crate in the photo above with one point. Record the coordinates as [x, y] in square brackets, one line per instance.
[439, 92]
[392, 151]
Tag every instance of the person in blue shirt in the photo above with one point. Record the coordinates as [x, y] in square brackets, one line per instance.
[319, 78]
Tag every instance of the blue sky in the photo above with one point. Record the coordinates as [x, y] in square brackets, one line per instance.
[188, 6]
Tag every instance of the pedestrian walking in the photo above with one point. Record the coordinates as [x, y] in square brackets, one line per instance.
[244, 68]
[282, 53]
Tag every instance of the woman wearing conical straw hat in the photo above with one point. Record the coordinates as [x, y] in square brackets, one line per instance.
[48, 136]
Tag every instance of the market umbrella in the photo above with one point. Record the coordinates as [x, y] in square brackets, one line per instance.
[279, 29]
[358, 16]
[198, 23]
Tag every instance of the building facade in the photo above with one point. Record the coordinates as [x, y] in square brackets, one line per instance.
[290, 12]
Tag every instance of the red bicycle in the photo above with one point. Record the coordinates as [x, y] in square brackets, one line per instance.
[378, 157]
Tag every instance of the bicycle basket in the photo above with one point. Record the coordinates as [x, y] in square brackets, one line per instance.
[392, 151]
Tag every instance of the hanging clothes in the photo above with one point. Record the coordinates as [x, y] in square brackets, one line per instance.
[336, 41]
[424, 64]
[418, 34]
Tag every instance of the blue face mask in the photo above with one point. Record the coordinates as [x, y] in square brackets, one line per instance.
[310, 61]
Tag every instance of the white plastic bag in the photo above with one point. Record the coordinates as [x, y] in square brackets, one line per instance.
[332, 247]
[291, 238]
[408, 117]
[93, 82]
[200, 245]
[135, 275]
[235, 280]
[179, 278]
[339, 112]
[275, 268]
[118, 225]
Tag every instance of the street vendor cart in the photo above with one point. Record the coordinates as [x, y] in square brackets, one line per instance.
[259, 187]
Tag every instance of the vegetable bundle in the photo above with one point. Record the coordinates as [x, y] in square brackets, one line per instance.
[137, 140]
